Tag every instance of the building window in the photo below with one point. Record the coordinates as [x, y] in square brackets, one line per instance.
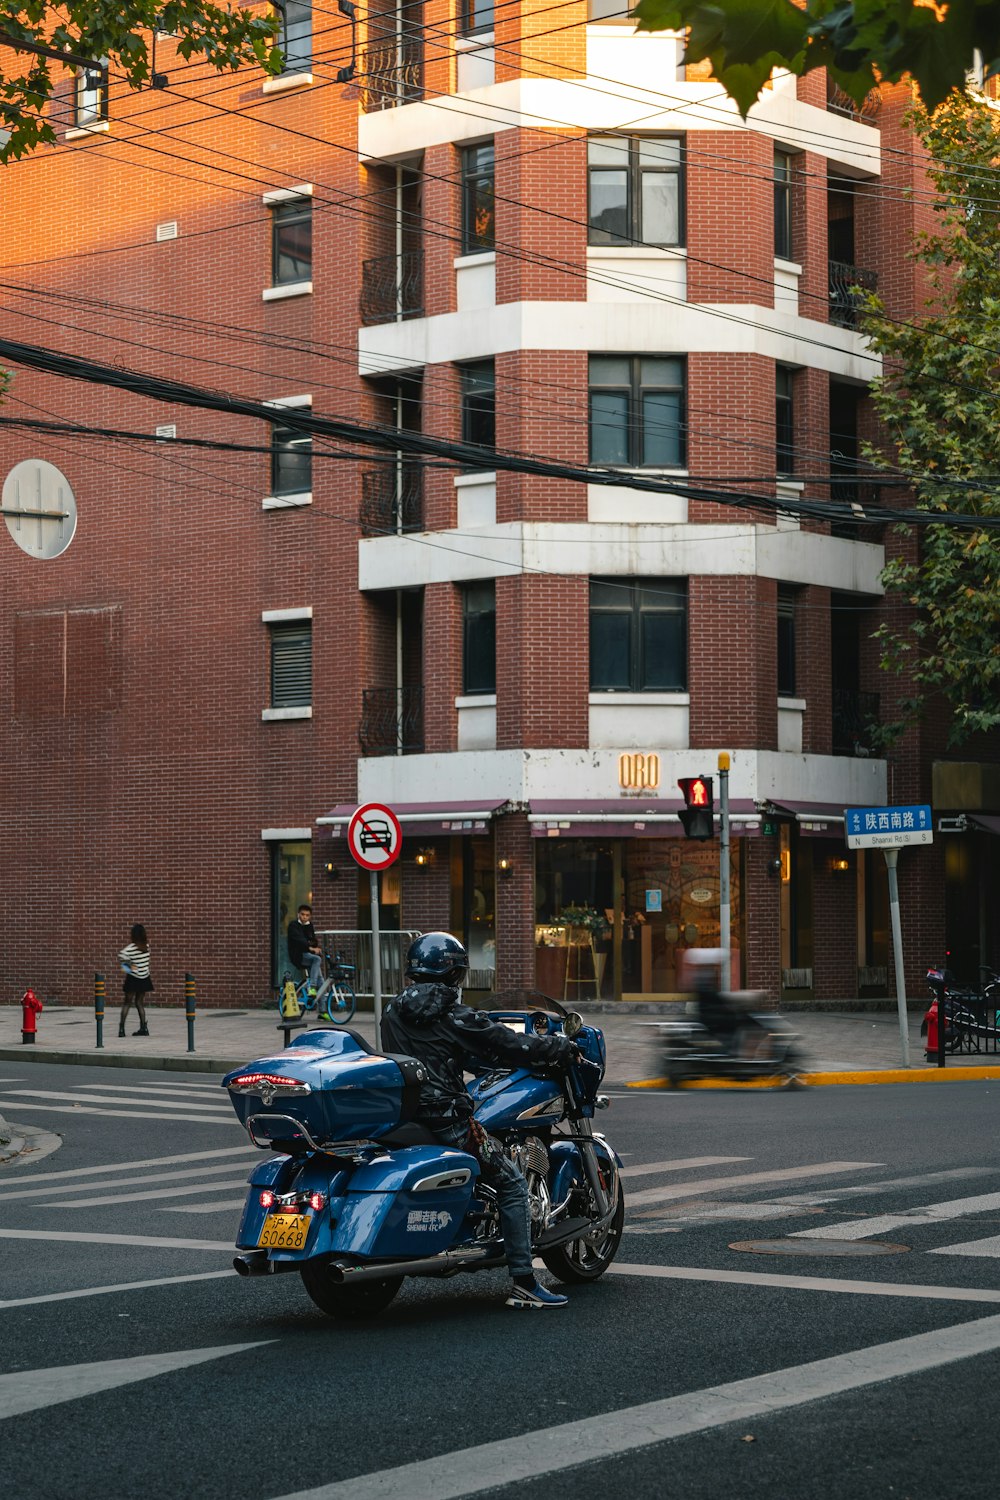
[478, 181]
[783, 205]
[91, 98]
[291, 664]
[291, 242]
[636, 190]
[479, 637]
[296, 41]
[291, 461]
[784, 421]
[476, 16]
[638, 635]
[479, 404]
[786, 641]
[637, 411]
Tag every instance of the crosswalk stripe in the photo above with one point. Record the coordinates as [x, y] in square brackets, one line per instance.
[158, 1088]
[63, 1187]
[205, 1208]
[865, 1189]
[748, 1179]
[863, 1229]
[143, 1241]
[114, 1114]
[989, 1247]
[130, 1166]
[682, 1164]
[113, 1098]
[175, 1192]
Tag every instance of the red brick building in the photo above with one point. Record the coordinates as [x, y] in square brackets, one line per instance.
[542, 235]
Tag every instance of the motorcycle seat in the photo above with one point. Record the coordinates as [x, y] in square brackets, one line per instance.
[410, 1134]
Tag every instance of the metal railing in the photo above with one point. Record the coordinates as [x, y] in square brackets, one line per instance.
[392, 72]
[855, 716]
[841, 103]
[392, 721]
[392, 498]
[392, 288]
[847, 283]
[356, 946]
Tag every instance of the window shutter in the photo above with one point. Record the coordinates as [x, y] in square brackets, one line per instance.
[291, 665]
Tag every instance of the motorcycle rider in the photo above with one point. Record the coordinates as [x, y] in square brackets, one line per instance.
[427, 1021]
[725, 1020]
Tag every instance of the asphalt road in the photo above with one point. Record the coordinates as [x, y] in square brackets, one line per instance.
[861, 1375]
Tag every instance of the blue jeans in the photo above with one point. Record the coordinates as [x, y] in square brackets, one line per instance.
[313, 965]
[507, 1181]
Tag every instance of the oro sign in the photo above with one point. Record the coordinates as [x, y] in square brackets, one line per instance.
[374, 836]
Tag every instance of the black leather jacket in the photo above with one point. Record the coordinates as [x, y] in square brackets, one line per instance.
[427, 1021]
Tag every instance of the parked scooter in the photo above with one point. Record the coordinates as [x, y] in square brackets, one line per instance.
[725, 1039]
[359, 1198]
[971, 1019]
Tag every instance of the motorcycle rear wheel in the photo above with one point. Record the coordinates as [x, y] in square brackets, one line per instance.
[348, 1303]
[578, 1261]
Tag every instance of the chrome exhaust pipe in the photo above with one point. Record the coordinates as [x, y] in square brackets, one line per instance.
[447, 1262]
[256, 1263]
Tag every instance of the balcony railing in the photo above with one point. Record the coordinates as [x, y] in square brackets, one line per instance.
[392, 72]
[842, 104]
[855, 716]
[392, 288]
[392, 721]
[392, 498]
[847, 283]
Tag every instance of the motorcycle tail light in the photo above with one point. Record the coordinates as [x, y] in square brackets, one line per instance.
[266, 1198]
[245, 1083]
[317, 1201]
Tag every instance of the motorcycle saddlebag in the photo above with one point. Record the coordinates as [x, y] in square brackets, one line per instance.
[331, 1083]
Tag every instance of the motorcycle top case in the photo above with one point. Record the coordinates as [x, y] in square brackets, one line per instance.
[329, 1082]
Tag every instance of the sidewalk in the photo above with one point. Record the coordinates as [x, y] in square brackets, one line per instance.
[841, 1046]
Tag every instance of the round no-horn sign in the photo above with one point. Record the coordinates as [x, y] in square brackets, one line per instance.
[374, 836]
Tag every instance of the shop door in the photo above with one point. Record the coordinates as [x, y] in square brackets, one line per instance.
[670, 904]
[291, 884]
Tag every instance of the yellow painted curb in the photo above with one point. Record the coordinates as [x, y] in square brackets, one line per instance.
[825, 1080]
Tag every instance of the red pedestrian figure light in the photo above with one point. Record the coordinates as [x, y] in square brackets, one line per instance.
[30, 1008]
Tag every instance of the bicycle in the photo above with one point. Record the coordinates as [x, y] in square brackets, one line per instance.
[335, 999]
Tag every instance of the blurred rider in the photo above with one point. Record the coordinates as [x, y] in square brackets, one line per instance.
[428, 1022]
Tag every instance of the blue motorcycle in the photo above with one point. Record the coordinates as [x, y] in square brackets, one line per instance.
[359, 1196]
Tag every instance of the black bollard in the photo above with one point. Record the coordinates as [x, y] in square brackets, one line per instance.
[99, 1007]
[189, 1008]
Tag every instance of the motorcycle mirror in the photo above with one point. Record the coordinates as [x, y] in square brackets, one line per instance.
[572, 1023]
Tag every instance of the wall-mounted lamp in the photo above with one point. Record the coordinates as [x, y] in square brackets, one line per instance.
[840, 866]
[425, 856]
[505, 868]
[330, 870]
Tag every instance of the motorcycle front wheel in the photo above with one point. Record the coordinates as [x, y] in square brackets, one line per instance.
[350, 1303]
[579, 1260]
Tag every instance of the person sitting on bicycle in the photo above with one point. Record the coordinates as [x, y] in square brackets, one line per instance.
[303, 947]
[427, 1021]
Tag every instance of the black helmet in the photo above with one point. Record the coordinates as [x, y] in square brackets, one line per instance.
[437, 955]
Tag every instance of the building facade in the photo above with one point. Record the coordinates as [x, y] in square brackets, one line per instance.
[526, 235]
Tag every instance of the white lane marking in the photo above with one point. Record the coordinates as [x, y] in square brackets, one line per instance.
[205, 1208]
[117, 1114]
[156, 1088]
[810, 1283]
[746, 1179]
[146, 1241]
[147, 1197]
[121, 1286]
[867, 1189]
[187, 1174]
[986, 1248]
[863, 1229]
[546, 1450]
[132, 1166]
[114, 1098]
[682, 1164]
[32, 1390]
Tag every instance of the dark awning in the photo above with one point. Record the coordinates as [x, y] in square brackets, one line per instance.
[424, 819]
[988, 822]
[815, 819]
[626, 817]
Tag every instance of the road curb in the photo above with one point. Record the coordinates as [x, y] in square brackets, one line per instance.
[189, 1063]
[834, 1080]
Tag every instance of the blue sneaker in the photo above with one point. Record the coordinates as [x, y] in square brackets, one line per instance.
[535, 1296]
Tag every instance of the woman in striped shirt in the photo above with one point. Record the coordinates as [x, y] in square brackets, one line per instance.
[135, 962]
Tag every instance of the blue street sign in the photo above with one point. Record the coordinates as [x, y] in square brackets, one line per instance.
[888, 827]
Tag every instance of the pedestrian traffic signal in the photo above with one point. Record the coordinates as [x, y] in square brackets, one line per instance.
[697, 813]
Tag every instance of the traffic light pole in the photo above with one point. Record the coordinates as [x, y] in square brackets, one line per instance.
[724, 896]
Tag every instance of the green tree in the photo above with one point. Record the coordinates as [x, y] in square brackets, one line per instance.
[939, 401]
[858, 43]
[95, 29]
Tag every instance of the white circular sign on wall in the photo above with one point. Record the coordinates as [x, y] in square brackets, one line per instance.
[39, 508]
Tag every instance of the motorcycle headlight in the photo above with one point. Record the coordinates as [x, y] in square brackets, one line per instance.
[572, 1024]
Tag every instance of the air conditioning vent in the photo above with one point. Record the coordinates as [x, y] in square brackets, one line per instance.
[168, 430]
[167, 231]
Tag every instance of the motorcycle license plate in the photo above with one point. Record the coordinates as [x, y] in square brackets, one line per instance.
[284, 1232]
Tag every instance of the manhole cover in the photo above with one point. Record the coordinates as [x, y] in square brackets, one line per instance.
[820, 1247]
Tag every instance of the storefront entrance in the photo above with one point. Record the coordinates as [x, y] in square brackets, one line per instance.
[663, 894]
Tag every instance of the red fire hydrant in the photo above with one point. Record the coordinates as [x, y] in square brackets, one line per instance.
[30, 1007]
[931, 1024]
